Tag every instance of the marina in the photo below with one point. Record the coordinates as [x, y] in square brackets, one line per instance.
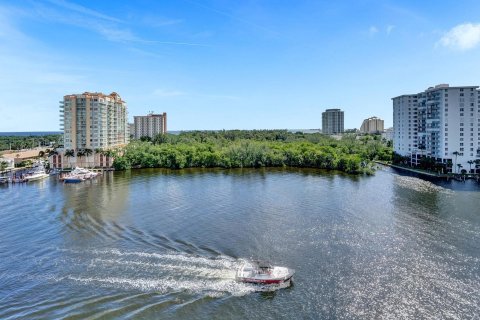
[38, 172]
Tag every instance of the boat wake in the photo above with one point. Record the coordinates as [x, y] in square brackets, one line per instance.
[162, 273]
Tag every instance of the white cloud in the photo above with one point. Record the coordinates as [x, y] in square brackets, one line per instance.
[462, 37]
[372, 30]
[83, 10]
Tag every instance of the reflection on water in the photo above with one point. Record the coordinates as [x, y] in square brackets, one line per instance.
[165, 244]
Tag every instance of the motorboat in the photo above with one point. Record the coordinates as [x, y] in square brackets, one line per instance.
[4, 180]
[73, 179]
[82, 171]
[78, 175]
[54, 172]
[260, 272]
[37, 174]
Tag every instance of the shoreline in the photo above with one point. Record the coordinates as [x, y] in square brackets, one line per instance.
[420, 172]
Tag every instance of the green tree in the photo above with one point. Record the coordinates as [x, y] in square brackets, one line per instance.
[470, 162]
[69, 153]
[3, 165]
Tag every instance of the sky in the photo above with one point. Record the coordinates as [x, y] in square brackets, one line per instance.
[218, 64]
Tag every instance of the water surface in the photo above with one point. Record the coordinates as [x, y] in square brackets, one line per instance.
[165, 244]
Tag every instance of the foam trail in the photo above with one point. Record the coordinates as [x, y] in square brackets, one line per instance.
[154, 272]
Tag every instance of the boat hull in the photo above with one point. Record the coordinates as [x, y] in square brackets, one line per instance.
[37, 177]
[263, 275]
[72, 180]
[264, 281]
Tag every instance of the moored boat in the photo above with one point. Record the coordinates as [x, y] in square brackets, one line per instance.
[37, 173]
[259, 272]
[73, 179]
[78, 175]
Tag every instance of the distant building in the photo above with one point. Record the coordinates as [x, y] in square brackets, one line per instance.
[91, 124]
[150, 125]
[372, 125]
[388, 134]
[441, 122]
[332, 121]
[131, 129]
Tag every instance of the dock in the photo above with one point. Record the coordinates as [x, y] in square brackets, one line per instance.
[434, 175]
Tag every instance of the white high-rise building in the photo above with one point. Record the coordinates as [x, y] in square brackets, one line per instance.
[441, 122]
[150, 125]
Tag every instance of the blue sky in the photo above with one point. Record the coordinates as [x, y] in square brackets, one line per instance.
[218, 64]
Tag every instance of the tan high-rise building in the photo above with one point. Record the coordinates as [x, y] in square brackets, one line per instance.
[150, 125]
[372, 125]
[94, 120]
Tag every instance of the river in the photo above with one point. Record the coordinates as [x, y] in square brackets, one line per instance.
[160, 244]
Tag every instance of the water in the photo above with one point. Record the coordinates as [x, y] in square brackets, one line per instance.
[159, 244]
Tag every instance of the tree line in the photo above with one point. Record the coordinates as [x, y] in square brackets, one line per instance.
[28, 142]
[253, 149]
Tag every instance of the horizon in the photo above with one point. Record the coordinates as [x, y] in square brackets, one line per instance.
[231, 65]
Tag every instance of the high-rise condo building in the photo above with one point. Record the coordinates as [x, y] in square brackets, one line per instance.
[332, 121]
[93, 120]
[150, 125]
[372, 125]
[441, 122]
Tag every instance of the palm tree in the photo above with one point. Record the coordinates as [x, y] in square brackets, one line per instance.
[69, 153]
[88, 153]
[51, 152]
[477, 163]
[455, 153]
[470, 162]
[108, 154]
[80, 154]
[459, 167]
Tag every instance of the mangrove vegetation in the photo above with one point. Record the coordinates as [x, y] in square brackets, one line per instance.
[252, 149]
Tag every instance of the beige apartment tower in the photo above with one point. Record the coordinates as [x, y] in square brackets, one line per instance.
[372, 125]
[150, 125]
[93, 121]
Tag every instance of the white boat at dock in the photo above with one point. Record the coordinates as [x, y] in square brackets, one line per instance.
[78, 175]
[35, 175]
